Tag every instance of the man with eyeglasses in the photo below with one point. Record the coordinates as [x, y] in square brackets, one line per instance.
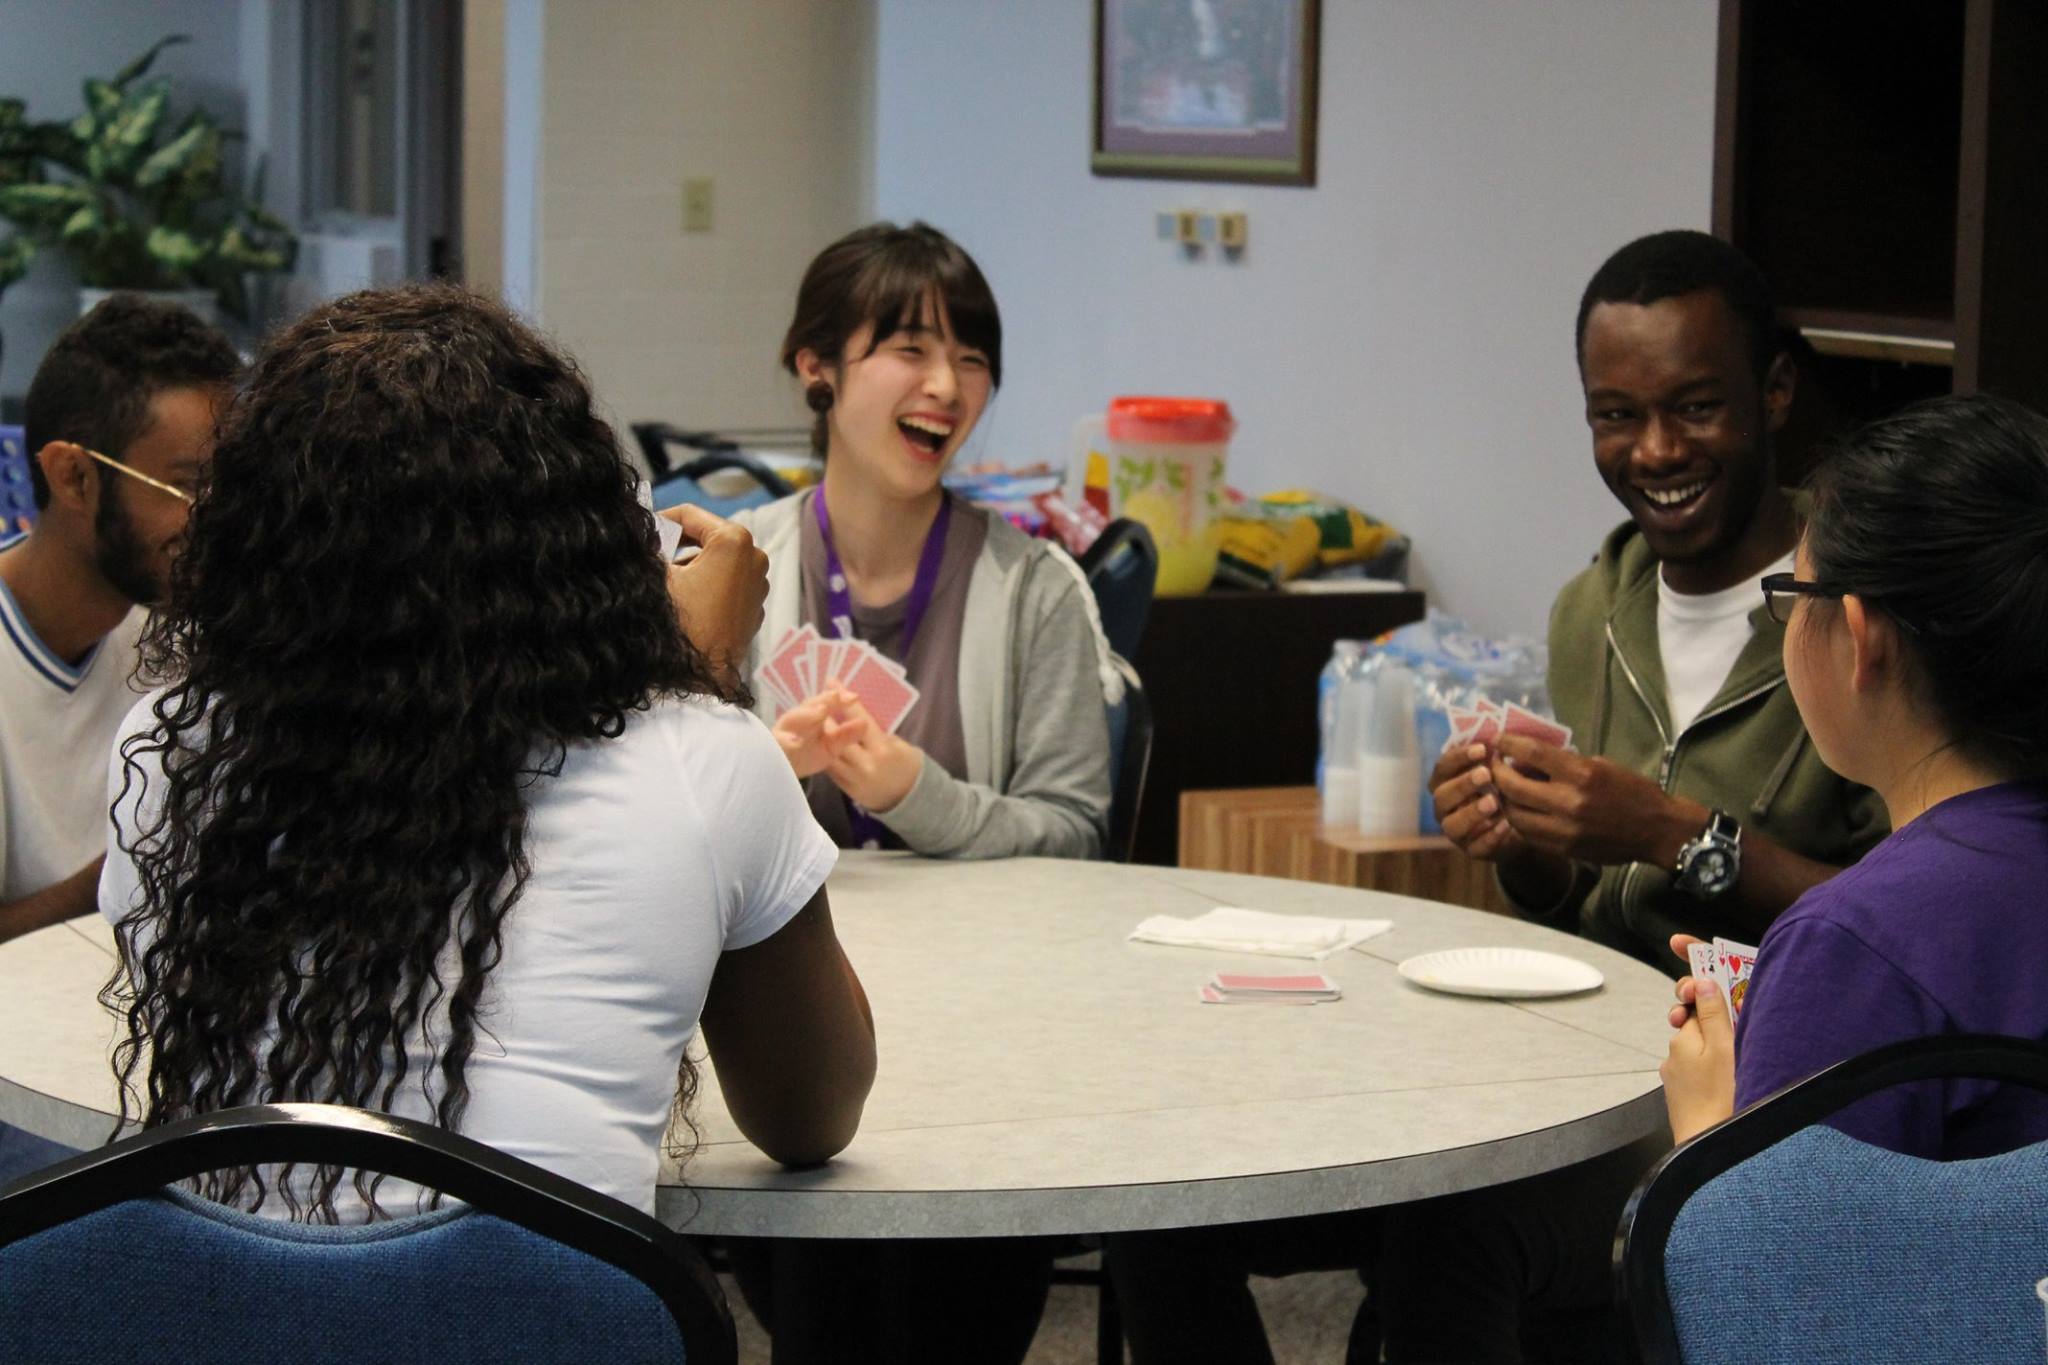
[120, 421]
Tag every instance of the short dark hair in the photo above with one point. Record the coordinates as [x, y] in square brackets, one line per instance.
[1938, 517]
[884, 274]
[95, 383]
[1666, 265]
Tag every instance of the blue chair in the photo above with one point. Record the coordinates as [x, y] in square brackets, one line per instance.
[675, 484]
[1122, 567]
[17, 493]
[102, 1258]
[1768, 1238]
[1130, 760]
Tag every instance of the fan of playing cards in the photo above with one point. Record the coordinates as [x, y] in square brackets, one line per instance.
[1487, 721]
[1727, 964]
[804, 662]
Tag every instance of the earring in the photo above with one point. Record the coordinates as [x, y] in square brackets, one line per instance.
[818, 395]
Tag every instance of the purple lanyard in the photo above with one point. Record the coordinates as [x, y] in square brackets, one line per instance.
[839, 599]
[868, 832]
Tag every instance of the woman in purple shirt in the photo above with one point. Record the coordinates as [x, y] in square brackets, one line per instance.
[1916, 646]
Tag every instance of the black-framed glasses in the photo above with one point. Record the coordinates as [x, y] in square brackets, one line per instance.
[1781, 590]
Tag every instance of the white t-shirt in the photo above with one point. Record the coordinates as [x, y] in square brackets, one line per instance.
[652, 854]
[1700, 636]
[56, 724]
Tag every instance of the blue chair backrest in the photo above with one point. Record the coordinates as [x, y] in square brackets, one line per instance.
[1823, 1249]
[175, 1277]
[17, 494]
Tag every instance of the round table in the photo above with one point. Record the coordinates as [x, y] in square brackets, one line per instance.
[1039, 1074]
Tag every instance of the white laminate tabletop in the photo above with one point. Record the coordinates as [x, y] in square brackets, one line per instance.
[1039, 1074]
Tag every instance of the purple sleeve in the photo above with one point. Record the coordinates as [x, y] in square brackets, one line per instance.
[1820, 995]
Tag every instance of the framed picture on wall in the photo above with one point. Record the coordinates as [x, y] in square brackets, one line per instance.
[1207, 89]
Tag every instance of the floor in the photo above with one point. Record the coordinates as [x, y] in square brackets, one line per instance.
[1308, 1318]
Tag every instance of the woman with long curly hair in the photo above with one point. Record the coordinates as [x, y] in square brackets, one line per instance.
[446, 816]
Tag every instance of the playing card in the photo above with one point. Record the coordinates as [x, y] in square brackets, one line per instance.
[1520, 720]
[1491, 719]
[765, 682]
[782, 664]
[887, 697]
[1705, 962]
[1737, 960]
[1242, 981]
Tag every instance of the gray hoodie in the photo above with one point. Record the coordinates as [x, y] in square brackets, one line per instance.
[1034, 681]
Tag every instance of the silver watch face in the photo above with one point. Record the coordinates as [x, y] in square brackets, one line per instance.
[1713, 868]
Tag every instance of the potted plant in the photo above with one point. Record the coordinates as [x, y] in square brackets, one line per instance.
[17, 166]
[133, 200]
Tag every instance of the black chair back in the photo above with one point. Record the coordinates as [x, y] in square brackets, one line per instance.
[1122, 566]
[1130, 761]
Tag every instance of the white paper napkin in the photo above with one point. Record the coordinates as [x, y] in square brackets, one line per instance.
[1236, 930]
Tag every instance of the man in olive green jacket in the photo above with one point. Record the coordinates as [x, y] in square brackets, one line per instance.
[1694, 803]
[1745, 753]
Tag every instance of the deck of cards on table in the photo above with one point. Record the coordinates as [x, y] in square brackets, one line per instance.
[1486, 721]
[1727, 964]
[1237, 988]
[804, 662]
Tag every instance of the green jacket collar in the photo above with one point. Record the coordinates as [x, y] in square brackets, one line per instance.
[1632, 628]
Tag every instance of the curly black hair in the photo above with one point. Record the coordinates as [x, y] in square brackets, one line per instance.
[95, 382]
[416, 574]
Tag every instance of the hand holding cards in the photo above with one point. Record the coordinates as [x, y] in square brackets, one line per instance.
[804, 663]
[1486, 721]
[1727, 964]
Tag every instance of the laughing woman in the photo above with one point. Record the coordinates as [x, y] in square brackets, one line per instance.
[898, 345]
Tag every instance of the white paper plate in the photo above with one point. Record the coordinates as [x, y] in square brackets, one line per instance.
[1503, 973]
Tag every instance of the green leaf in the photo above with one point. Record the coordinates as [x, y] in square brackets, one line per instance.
[13, 115]
[87, 222]
[238, 249]
[176, 157]
[146, 60]
[131, 133]
[175, 251]
[42, 207]
[102, 100]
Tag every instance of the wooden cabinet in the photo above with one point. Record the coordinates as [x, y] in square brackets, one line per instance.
[1275, 832]
[1886, 163]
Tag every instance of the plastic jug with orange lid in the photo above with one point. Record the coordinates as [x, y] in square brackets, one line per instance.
[1160, 461]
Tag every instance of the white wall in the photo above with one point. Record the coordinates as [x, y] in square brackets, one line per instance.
[770, 99]
[1398, 335]
[47, 49]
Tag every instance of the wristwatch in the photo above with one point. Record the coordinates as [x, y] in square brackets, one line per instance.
[1709, 864]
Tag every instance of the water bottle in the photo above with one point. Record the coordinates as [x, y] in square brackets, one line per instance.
[1338, 695]
[1389, 767]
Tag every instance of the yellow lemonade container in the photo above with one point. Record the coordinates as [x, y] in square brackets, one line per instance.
[1164, 458]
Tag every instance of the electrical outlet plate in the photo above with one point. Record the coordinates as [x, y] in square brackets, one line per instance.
[697, 205]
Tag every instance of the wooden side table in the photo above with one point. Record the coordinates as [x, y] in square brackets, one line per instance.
[1276, 832]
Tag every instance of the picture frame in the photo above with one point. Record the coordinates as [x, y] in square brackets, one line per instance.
[1207, 89]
